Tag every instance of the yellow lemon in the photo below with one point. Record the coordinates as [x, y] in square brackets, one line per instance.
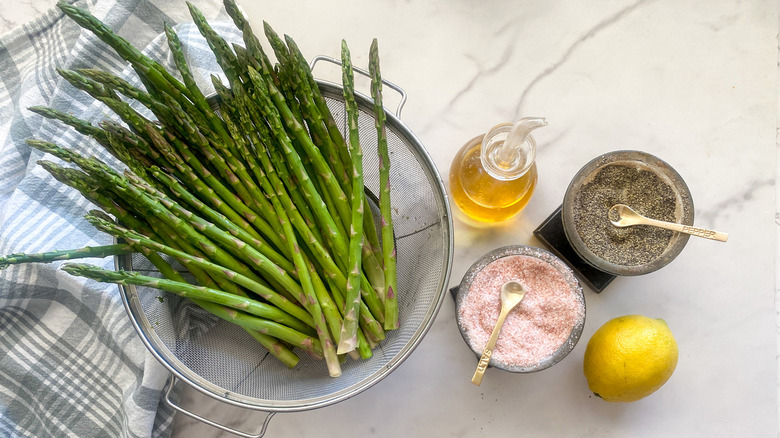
[629, 358]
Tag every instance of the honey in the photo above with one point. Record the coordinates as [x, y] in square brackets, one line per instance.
[493, 177]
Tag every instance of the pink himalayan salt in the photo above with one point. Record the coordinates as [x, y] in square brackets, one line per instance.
[536, 327]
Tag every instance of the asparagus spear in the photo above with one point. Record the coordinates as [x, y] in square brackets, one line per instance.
[275, 329]
[215, 217]
[257, 328]
[307, 96]
[192, 173]
[266, 173]
[278, 113]
[199, 99]
[305, 275]
[388, 238]
[213, 269]
[148, 206]
[176, 118]
[78, 179]
[79, 125]
[301, 135]
[323, 257]
[337, 240]
[191, 131]
[348, 339]
[69, 254]
[152, 74]
[274, 347]
[368, 288]
[250, 40]
[330, 123]
[225, 57]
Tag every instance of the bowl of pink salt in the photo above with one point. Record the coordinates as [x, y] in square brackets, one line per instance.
[541, 330]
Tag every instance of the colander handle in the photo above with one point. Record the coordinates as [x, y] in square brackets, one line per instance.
[368, 75]
[211, 423]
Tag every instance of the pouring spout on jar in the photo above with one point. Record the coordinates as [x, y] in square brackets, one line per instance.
[509, 150]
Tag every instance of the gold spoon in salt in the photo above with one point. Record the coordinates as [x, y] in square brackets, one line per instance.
[512, 293]
[629, 217]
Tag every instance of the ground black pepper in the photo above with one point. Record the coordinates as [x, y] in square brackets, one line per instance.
[642, 190]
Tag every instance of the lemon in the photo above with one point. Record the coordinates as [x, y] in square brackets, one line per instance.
[629, 358]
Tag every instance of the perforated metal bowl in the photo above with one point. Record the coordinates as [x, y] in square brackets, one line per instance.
[221, 360]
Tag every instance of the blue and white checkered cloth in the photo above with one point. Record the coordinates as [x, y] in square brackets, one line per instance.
[70, 362]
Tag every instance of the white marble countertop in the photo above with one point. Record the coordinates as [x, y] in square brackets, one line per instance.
[694, 83]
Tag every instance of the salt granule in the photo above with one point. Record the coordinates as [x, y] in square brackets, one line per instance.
[536, 327]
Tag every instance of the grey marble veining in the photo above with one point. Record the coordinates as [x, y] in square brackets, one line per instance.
[568, 52]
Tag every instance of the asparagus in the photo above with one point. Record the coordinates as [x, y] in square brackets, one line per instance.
[334, 274]
[277, 113]
[77, 179]
[258, 328]
[274, 347]
[133, 142]
[313, 198]
[199, 232]
[250, 40]
[149, 206]
[118, 84]
[188, 131]
[306, 276]
[388, 238]
[152, 74]
[232, 197]
[181, 193]
[213, 269]
[371, 301]
[301, 135]
[298, 70]
[313, 116]
[199, 99]
[79, 125]
[225, 57]
[82, 182]
[101, 93]
[318, 128]
[280, 330]
[175, 117]
[319, 109]
[348, 339]
[266, 173]
[234, 106]
[191, 172]
[69, 254]
[215, 217]
[335, 237]
[330, 123]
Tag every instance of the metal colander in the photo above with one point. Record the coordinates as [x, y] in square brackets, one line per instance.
[221, 360]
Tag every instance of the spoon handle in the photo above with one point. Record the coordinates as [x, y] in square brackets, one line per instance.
[687, 229]
[488, 351]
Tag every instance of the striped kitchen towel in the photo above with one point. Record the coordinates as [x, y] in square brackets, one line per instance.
[71, 364]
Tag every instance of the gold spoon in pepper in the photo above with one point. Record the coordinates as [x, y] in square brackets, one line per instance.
[512, 293]
[628, 217]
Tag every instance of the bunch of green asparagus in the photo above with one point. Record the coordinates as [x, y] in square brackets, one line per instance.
[262, 202]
